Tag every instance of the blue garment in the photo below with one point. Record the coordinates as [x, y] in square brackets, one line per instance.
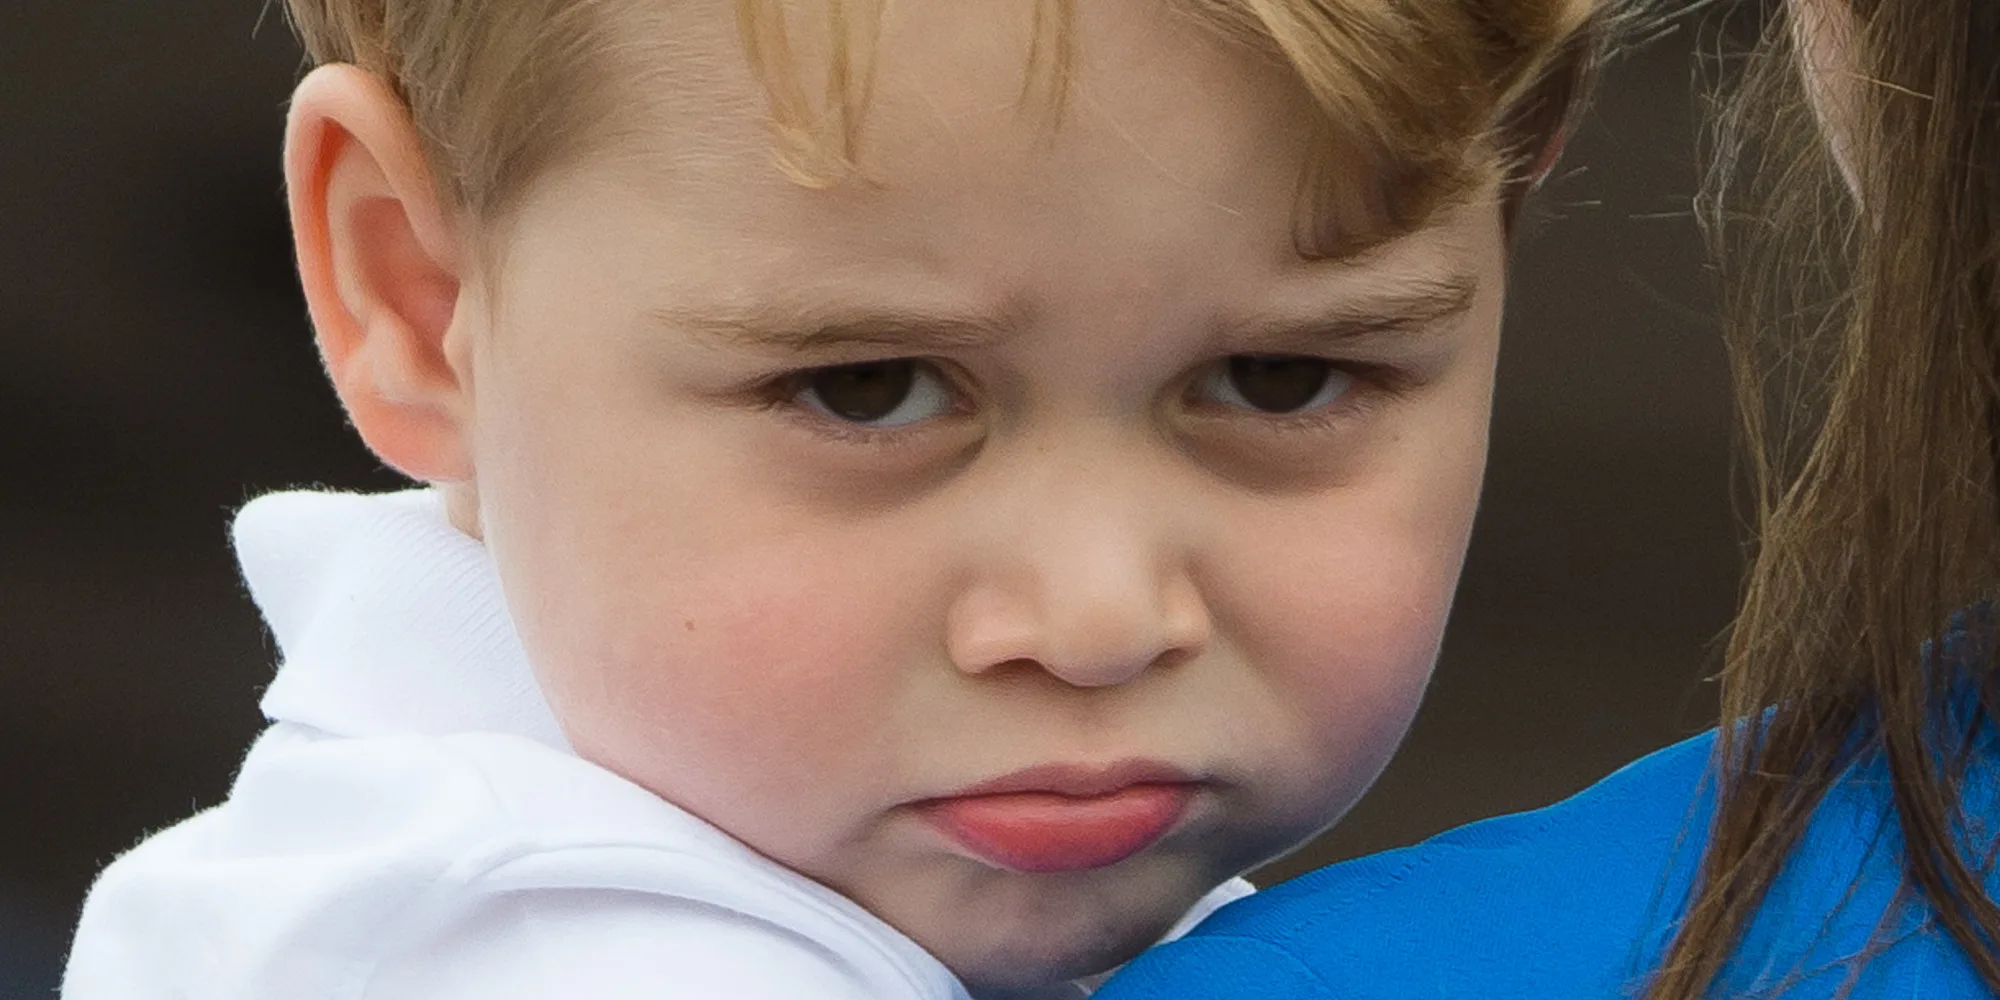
[1579, 900]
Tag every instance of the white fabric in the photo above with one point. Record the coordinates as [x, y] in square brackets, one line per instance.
[413, 824]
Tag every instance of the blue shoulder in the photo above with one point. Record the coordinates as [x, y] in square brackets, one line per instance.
[1567, 900]
[1580, 898]
[1841, 919]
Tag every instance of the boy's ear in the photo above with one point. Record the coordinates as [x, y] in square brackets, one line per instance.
[380, 259]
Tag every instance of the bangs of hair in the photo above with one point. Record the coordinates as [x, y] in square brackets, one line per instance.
[1418, 102]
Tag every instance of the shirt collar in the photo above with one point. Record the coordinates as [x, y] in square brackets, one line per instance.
[389, 620]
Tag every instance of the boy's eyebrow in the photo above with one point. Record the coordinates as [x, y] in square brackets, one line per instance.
[1401, 305]
[776, 329]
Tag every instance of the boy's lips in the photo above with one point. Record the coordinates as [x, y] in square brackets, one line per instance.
[1063, 818]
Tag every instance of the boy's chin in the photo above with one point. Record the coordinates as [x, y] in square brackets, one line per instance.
[1042, 966]
[1021, 940]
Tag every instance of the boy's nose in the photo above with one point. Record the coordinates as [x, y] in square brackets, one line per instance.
[1091, 612]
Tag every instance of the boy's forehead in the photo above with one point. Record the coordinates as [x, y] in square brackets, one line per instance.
[1165, 196]
[950, 93]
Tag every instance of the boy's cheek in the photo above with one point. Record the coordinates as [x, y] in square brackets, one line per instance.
[689, 633]
[1333, 705]
[1352, 665]
[1339, 612]
[768, 678]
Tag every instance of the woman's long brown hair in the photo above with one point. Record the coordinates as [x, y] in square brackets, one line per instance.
[1865, 333]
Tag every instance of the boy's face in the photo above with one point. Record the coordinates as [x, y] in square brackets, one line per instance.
[1116, 497]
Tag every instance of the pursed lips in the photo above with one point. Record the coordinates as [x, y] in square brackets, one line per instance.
[1065, 817]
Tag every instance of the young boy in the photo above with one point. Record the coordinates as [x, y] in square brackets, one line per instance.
[920, 495]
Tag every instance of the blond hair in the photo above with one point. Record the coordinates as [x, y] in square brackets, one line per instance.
[1438, 96]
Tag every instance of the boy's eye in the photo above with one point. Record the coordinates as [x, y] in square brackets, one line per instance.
[1275, 383]
[883, 394]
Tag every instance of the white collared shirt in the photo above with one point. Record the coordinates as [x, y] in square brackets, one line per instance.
[414, 825]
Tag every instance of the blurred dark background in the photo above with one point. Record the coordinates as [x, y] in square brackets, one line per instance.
[156, 370]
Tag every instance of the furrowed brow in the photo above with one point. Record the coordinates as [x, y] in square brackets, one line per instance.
[778, 330]
[1399, 307]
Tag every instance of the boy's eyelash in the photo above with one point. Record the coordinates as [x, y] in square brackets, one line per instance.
[1374, 384]
[780, 395]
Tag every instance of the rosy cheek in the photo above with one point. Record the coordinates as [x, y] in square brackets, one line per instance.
[1368, 677]
[750, 695]
[1356, 670]
[1341, 627]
